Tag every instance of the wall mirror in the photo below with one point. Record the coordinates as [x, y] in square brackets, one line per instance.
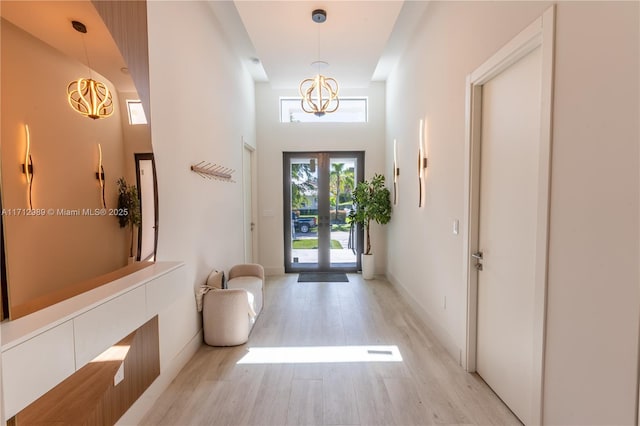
[61, 235]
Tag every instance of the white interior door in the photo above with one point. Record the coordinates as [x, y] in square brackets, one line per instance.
[147, 209]
[247, 179]
[510, 145]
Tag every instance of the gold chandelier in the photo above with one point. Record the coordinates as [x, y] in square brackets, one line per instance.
[319, 93]
[90, 98]
[87, 96]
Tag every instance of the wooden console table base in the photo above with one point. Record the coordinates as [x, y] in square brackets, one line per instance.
[89, 397]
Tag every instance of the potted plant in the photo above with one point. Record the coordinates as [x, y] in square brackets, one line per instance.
[371, 202]
[128, 209]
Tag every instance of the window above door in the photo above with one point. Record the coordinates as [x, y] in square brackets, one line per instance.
[351, 110]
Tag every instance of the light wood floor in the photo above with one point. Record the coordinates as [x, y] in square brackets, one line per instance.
[427, 387]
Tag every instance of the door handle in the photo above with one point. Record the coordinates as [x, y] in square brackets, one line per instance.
[478, 256]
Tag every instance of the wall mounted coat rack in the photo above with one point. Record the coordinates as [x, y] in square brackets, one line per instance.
[213, 171]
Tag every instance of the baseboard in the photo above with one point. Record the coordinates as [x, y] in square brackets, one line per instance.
[443, 336]
[134, 415]
[272, 271]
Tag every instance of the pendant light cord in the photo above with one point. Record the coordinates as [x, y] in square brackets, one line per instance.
[318, 34]
[86, 55]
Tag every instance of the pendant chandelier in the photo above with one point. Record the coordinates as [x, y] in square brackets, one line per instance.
[87, 96]
[319, 93]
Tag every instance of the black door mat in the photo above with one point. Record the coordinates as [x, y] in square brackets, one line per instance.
[322, 277]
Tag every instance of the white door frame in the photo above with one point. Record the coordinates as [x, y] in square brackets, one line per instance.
[540, 33]
[254, 198]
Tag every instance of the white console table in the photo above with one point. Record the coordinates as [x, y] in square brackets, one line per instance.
[42, 349]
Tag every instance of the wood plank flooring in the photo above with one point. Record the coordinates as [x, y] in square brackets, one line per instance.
[427, 387]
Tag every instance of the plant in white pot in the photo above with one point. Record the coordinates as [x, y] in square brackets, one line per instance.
[371, 202]
[128, 210]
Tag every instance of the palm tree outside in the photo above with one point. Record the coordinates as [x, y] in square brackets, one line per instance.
[341, 184]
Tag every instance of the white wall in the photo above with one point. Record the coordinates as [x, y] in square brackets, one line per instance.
[202, 104]
[429, 83]
[591, 357]
[275, 137]
[137, 138]
[593, 274]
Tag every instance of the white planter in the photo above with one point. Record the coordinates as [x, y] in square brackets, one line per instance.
[368, 266]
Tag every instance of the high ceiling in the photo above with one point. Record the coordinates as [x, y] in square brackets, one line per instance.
[276, 40]
[360, 40]
[287, 40]
[50, 21]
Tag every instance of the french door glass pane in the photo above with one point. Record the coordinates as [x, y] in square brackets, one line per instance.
[304, 211]
[342, 180]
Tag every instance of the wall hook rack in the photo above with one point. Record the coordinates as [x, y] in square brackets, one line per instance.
[213, 171]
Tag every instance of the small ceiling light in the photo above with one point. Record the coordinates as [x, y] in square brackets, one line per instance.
[319, 93]
[87, 96]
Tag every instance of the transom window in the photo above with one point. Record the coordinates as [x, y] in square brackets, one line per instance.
[136, 112]
[351, 110]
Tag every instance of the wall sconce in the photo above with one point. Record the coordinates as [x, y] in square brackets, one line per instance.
[87, 96]
[396, 172]
[100, 176]
[422, 163]
[27, 166]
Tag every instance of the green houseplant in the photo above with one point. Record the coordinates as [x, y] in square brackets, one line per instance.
[128, 208]
[371, 202]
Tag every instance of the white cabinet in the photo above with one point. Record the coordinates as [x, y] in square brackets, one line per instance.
[42, 349]
[165, 290]
[35, 366]
[102, 326]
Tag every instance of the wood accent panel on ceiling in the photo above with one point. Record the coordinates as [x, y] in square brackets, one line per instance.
[65, 293]
[89, 396]
[127, 22]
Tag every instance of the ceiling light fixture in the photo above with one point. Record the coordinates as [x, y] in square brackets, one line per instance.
[320, 93]
[87, 96]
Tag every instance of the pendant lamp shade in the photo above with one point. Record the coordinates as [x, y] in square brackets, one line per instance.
[87, 96]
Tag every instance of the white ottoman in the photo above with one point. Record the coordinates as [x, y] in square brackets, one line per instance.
[225, 317]
[249, 277]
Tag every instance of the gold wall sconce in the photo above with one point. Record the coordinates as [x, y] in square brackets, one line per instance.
[100, 176]
[27, 166]
[422, 163]
[87, 96]
[396, 172]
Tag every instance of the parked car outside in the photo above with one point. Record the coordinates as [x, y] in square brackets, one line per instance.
[302, 224]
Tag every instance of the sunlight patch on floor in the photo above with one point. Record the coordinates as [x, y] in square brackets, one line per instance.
[321, 354]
